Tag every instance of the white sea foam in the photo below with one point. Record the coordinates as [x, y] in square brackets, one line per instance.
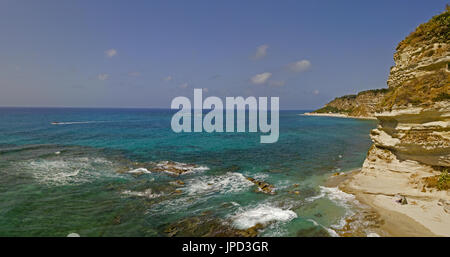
[348, 201]
[147, 193]
[228, 183]
[168, 166]
[175, 205]
[330, 231]
[263, 214]
[334, 194]
[235, 204]
[139, 171]
[340, 198]
[315, 197]
[337, 195]
[201, 189]
[67, 171]
[260, 176]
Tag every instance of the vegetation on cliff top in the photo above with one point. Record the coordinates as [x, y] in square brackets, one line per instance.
[437, 29]
[333, 109]
[375, 91]
[433, 83]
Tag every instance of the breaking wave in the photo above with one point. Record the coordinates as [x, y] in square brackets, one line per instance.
[230, 182]
[262, 214]
[139, 171]
[67, 171]
[147, 193]
[330, 231]
[340, 198]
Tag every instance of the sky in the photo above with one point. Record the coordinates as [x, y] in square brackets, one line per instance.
[145, 53]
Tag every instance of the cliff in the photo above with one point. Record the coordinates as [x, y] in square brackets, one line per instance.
[364, 104]
[410, 156]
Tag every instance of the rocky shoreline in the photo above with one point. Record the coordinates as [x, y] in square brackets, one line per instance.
[408, 167]
[387, 214]
[405, 176]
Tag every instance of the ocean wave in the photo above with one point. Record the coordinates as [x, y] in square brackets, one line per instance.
[340, 198]
[230, 182]
[147, 193]
[67, 171]
[263, 214]
[201, 189]
[139, 171]
[330, 231]
[336, 195]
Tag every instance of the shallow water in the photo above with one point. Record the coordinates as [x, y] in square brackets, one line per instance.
[72, 177]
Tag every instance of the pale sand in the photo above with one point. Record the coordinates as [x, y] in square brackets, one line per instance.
[422, 216]
[337, 115]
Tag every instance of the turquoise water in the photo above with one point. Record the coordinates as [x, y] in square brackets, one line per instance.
[72, 177]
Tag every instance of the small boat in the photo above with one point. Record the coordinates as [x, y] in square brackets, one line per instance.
[55, 123]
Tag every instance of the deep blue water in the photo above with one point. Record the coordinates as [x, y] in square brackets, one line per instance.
[72, 177]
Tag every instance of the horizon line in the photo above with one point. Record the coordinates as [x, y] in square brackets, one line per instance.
[130, 107]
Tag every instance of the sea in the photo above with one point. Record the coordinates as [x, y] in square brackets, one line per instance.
[109, 172]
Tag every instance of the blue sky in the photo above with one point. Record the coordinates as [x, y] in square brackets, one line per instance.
[144, 53]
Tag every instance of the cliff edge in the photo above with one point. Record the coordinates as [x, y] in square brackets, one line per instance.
[362, 105]
[407, 168]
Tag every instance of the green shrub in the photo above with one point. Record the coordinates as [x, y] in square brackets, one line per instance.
[441, 97]
[328, 109]
[438, 29]
[375, 91]
[443, 182]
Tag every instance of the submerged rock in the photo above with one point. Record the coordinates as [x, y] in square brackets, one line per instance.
[177, 168]
[170, 167]
[177, 182]
[262, 186]
[251, 231]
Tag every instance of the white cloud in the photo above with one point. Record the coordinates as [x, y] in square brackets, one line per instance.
[184, 85]
[261, 78]
[316, 92]
[134, 73]
[261, 51]
[111, 52]
[168, 78]
[277, 83]
[300, 66]
[103, 76]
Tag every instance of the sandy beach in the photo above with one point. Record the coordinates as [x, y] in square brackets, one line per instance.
[422, 216]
